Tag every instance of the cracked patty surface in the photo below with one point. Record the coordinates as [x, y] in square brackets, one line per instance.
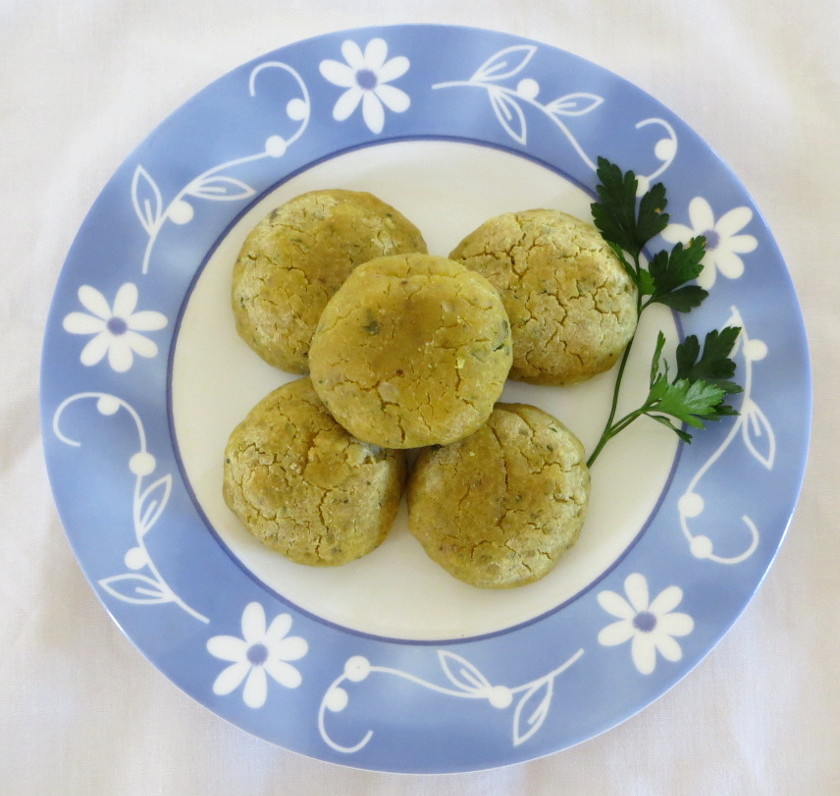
[412, 350]
[571, 304]
[298, 256]
[306, 488]
[499, 508]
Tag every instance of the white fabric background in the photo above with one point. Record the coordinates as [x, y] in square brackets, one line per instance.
[82, 83]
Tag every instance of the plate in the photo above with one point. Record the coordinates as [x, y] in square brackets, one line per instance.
[388, 663]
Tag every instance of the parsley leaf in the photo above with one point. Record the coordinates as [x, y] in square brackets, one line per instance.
[696, 394]
[616, 215]
[652, 219]
[688, 401]
[699, 389]
[668, 273]
[714, 364]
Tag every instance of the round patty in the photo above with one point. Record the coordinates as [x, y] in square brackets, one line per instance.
[303, 486]
[499, 508]
[571, 303]
[298, 256]
[412, 350]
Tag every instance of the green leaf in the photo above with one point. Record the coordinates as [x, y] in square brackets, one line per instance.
[696, 393]
[683, 299]
[688, 401]
[714, 364]
[617, 215]
[645, 284]
[652, 218]
[670, 272]
[687, 352]
[724, 410]
[655, 369]
[680, 432]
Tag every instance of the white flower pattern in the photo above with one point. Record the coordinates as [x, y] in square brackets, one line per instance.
[259, 653]
[723, 243]
[651, 624]
[115, 328]
[365, 77]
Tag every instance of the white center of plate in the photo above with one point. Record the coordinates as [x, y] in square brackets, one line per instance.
[447, 189]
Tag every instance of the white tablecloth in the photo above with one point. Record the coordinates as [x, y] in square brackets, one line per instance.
[82, 83]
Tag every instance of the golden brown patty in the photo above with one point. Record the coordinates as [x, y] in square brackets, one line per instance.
[498, 508]
[571, 304]
[298, 256]
[303, 486]
[412, 350]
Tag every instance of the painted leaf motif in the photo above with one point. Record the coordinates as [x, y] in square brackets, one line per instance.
[151, 503]
[146, 198]
[135, 588]
[758, 434]
[462, 674]
[504, 64]
[221, 188]
[509, 114]
[576, 104]
[532, 709]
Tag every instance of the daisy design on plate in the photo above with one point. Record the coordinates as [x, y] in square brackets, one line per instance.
[260, 653]
[723, 243]
[115, 328]
[651, 624]
[365, 77]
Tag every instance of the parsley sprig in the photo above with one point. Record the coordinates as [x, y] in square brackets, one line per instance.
[703, 380]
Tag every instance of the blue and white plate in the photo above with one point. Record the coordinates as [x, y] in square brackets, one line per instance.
[388, 663]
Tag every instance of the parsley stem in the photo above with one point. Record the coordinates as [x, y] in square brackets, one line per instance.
[628, 419]
[605, 438]
[616, 428]
[608, 431]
